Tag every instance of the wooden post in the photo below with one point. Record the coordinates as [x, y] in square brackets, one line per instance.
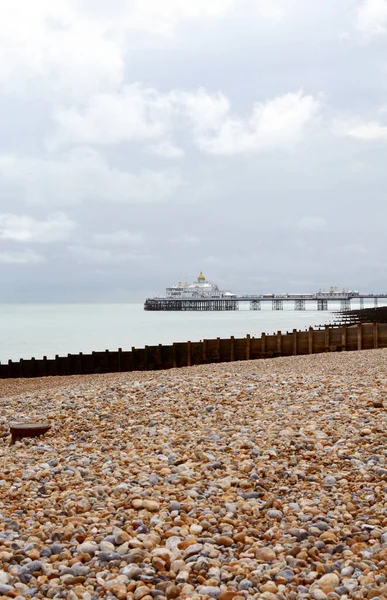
[56, 370]
[189, 354]
[218, 349]
[232, 348]
[294, 342]
[376, 335]
[21, 369]
[310, 340]
[204, 351]
[119, 360]
[326, 342]
[33, 370]
[44, 366]
[134, 358]
[10, 368]
[81, 363]
[146, 358]
[174, 363]
[279, 342]
[248, 347]
[344, 337]
[359, 337]
[263, 344]
[160, 355]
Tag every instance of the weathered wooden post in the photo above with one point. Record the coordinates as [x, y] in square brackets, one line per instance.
[310, 340]
[119, 360]
[218, 349]
[248, 347]
[232, 348]
[326, 338]
[44, 366]
[294, 342]
[359, 337]
[204, 351]
[189, 354]
[344, 335]
[263, 344]
[376, 335]
[279, 342]
[174, 362]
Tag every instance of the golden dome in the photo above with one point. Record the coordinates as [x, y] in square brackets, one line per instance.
[201, 277]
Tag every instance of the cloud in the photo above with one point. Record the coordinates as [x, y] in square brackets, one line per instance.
[141, 113]
[106, 256]
[134, 113]
[371, 17]
[119, 238]
[81, 177]
[185, 240]
[166, 149]
[360, 130]
[277, 124]
[312, 223]
[79, 47]
[26, 257]
[23, 228]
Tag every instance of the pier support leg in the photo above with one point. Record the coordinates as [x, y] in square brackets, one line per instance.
[345, 304]
[376, 302]
[361, 303]
[277, 305]
[322, 304]
[255, 305]
[299, 305]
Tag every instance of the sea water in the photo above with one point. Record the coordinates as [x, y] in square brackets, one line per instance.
[38, 330]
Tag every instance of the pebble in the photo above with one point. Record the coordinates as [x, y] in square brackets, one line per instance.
[257, 479]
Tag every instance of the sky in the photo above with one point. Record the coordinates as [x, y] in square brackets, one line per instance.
[142, 141]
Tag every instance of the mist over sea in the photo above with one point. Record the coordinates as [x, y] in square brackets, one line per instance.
[38, 330]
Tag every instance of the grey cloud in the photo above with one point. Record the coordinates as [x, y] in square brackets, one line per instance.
[143, 141]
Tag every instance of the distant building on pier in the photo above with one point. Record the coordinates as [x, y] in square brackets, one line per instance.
[199, 289]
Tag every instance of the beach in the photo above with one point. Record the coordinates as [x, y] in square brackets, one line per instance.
[256, 479]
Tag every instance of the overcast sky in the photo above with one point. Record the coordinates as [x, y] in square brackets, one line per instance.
[142, 141]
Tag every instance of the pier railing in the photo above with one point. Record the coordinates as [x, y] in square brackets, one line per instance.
[363, 336]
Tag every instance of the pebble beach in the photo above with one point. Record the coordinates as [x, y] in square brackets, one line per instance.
[258, 479]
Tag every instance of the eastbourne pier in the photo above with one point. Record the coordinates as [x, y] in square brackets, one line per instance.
[205, 296]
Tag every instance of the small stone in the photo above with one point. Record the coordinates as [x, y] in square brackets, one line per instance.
[265, 554]
[285, 576]
[330, 579]
[209, 590]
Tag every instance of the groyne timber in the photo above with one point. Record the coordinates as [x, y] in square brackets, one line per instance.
[364, 336]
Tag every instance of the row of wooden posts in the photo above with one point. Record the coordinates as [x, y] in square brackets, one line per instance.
[182, 354]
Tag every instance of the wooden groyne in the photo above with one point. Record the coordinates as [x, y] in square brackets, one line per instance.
[363, 336]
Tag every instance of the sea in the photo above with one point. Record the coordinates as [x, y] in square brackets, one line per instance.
[37, 330]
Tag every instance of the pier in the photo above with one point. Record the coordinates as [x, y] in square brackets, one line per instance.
[319, 301]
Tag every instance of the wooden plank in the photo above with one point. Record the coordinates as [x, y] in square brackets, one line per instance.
[263, 344]
[310, 340]
[344, 337]
[294, 342]
[189, 354]
[359, 337]
[232, 348]
[248, 347]
[326, 338]
[279, 342]
[376, 335]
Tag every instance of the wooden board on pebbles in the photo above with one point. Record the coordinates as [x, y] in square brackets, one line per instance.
[22, 430]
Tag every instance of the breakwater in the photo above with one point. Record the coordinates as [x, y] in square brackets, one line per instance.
[363, 336]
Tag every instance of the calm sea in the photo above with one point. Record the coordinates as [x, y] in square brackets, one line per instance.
[28, 330]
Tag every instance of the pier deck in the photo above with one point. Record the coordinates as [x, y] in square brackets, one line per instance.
[318, 301]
